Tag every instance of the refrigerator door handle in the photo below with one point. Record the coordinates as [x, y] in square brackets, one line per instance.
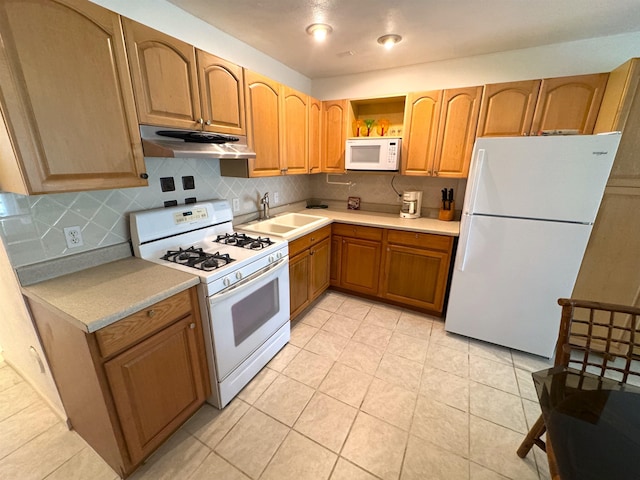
[465, 236]
[475, 179]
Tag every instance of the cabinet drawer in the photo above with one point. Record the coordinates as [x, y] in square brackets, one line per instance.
[424, 240]
[299, 244]
[133, 328]
[357, 231]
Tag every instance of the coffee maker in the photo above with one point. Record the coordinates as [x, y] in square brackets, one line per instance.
[411, 205]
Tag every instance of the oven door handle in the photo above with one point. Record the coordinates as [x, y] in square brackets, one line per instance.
[256, 277]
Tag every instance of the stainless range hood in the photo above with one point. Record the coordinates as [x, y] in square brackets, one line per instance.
[155, 145]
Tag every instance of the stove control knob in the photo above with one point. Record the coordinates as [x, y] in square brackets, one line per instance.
[271, 259]
[239, 275]
[226, 282]
[279, 255]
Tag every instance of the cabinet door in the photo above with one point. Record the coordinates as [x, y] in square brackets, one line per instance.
[70, 118]
[164, 76]
[315, 134]
[222, 94]
[415, 277]
[336, 260]
[320, 263]
[156, 386]
[299, 282]
[360, 265]
[295, 129]
[421, 127]
[616, 103]
[457, 131]
[262, 96]
[569, 103]
[334, 135]
[507, 108]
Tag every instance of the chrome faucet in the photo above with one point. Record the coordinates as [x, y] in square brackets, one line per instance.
[265, 206]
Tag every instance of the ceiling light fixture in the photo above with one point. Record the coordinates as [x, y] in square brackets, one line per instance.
[319, 31]
[388, 41]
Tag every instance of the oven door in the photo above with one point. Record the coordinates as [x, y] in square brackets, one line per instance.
[247, 314]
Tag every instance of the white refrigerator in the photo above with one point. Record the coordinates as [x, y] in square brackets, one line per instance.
[528, 210]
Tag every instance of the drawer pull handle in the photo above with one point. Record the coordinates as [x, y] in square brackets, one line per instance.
[192, 326]
[151, 313]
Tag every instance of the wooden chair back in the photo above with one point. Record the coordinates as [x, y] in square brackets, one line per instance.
[600, 338]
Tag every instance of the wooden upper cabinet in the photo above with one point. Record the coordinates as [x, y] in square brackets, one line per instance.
[422, 114]
[262, 96]
[569, 103]
[334, 135]
[507, 109]
[69, 120]
[179, 86]
[315, 134]
[164, 74]
[295, 128]
[457, 131]
[618, 96]
[221, 94]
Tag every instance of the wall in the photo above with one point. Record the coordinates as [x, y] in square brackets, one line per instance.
[32, 226]
[18, 336]
[377, 189]
[571, 58]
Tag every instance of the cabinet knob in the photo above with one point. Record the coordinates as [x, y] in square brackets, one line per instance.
[313, 239]
[200, 121]
[144, 176]
[435, 172]
[311, 252]
[151, 313]
[208, 122]
[192, 326]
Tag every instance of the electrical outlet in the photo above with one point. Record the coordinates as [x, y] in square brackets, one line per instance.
[236, 204]
[73, 236]
[276, 197]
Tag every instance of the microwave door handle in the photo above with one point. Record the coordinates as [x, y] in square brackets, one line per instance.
[271, 270]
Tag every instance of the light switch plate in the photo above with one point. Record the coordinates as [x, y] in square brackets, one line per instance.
[236, 204]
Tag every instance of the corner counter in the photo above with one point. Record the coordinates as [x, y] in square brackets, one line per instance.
[99, 296]
[388, 220]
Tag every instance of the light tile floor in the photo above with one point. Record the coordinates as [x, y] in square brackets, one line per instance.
[362, 391]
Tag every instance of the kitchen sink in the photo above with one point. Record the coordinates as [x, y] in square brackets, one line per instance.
[287, 225]
[295, 219]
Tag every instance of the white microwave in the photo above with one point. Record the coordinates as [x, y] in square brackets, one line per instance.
[373, 153]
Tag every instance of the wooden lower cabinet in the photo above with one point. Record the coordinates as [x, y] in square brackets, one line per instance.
[416, 268]
[404, 268]
[309, 267]
[360, 254]
[127, 387]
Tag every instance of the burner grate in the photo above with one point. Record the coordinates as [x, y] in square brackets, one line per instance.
[244, 241]
[198, 258]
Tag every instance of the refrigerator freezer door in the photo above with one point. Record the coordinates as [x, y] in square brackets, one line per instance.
[508, 276]
[555, 178]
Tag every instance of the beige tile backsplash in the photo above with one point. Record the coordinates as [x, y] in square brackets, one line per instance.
[32, 226]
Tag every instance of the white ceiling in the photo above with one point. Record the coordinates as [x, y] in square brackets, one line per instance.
[432, 30]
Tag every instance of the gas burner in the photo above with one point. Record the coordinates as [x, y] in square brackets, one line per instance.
[244, 241]
[259, 243]
[198, 258]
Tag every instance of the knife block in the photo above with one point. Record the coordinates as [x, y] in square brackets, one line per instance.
[447, 215]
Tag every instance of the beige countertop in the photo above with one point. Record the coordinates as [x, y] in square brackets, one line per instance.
[355, 217]
[99, 296]
[387, 220]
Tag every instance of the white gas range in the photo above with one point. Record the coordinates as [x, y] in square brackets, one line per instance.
[243, 291]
